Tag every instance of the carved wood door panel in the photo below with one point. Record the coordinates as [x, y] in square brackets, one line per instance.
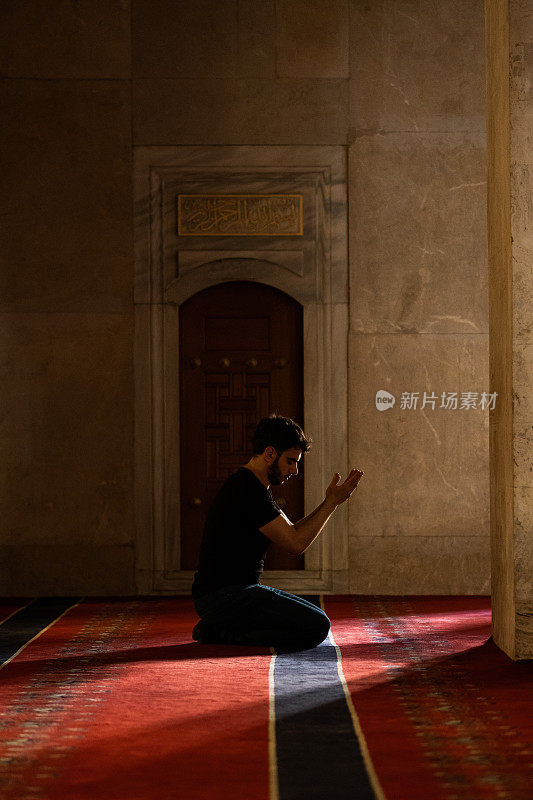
[240, 360]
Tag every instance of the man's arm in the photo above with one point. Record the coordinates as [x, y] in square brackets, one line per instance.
[297, 538]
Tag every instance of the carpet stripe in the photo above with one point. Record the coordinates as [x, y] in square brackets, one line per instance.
[376, 786]
[26, 624]
[318, 752]
[392, 739]
[10, 607]
[272, 754]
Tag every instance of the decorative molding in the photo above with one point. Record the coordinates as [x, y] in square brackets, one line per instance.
[301, 581]
[293, 260]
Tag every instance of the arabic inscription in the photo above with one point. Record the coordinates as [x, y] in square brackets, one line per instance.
[240, 215]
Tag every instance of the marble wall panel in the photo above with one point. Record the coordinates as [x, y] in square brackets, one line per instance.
[194, 39]
[523, 569]
[521, 112]
[260, 111]
[521, 22]
[523, 450]
[522, 288]
[67, 432]
[65, 39]
[312, 39]
[323, 225]
[257, 39]
[420, 565]
[69, 571]
[66, 203]
[523, 377]
[426, 469]
[418, 233]
[199, 39]
[417, 66]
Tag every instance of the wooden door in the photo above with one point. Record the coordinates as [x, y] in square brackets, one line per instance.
[240, 360]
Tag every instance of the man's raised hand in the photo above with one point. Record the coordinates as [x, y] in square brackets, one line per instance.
[337, 493]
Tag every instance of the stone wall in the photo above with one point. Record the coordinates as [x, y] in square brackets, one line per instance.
[66, 299]
[419, 296]
[401, 86]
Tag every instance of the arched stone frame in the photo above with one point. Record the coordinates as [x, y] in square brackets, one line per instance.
[168, 273]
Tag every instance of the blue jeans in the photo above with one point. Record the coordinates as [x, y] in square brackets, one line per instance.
[262, 616]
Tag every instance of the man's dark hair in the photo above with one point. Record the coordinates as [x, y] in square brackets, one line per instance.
[281, 433]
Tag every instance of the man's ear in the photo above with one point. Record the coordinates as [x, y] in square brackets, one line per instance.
[270, 453]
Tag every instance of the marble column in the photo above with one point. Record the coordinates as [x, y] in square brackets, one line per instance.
[509, 47]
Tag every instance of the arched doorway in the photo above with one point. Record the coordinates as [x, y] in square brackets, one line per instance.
[171, 268]
[240, 359]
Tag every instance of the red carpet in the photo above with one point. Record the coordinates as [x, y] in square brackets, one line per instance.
[444, 712]
[114, 700]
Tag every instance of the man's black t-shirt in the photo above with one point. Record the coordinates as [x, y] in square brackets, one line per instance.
[233, 548]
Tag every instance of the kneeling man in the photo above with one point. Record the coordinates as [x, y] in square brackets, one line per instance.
[234, 608]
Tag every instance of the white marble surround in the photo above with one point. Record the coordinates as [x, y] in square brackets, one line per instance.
[311, 268]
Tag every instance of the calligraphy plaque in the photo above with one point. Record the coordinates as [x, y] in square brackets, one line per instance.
[240, 215]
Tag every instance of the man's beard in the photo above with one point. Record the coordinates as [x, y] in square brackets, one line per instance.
[274, 474]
